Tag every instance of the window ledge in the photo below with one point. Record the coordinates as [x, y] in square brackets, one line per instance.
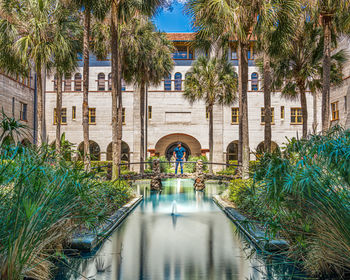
[296, 123]
[232, 123]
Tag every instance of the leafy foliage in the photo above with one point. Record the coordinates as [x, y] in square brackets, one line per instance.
[43, 198]
[303, 193]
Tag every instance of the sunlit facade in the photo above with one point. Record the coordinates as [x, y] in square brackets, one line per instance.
[170, 118]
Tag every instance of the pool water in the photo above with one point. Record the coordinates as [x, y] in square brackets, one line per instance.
[176, 234]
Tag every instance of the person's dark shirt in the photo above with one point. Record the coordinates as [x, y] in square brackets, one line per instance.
[179, 152]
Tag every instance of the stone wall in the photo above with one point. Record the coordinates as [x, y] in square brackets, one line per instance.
[341, 94]
[173, 118]
[12, 94]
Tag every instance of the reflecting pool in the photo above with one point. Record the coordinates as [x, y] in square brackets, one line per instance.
[176, 234]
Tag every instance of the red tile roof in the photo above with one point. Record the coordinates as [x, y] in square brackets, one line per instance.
[190, 37]
[180, 36]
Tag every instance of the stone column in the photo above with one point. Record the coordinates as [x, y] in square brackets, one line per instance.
[136, 129]
[218, 137]
[156, 182]
[199, 181]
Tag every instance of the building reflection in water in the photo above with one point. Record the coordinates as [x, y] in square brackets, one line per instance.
[199, 242]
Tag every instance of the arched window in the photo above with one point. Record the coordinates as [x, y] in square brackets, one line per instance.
[110, 81]
[178, 81]
[101, 82]
[68, 82]
[255, 81]
[167, 83]
[77, 82]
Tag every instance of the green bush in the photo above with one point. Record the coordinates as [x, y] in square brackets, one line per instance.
[305, 192]
[191, 167]
[228, 172]
[165, 167]
[117, 193]
[43, 200]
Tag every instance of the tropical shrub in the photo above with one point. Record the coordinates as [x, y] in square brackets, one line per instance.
[306, 190]
[191, 167]
[43, 199]
[165, 167]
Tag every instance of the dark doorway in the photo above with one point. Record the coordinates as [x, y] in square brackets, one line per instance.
[171, 148]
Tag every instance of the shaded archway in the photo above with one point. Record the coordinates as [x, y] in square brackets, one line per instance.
[170, 150]
[232, 151]
[125, 152]
[260, 149]
[165, 144]
[95, 151]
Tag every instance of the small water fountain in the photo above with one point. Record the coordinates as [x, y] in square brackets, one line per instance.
[174, 208]
[178, 186]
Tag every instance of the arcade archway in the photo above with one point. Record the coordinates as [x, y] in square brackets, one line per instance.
[170, 150]
[260, 149]
[125, 152]
[166, 145]
[232, 151]
[95, 151]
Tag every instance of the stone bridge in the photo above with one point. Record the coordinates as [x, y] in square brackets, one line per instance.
[198, 176]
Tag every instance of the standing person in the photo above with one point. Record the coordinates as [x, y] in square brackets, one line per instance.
[179, 155]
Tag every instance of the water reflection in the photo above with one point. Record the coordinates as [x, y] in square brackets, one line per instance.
[196, 242]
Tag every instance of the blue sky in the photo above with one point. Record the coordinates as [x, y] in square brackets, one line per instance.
[173, 19]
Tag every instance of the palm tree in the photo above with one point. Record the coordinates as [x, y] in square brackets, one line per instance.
[122, 11]
[67, 36]
[335, 18]
[27, 30]
[274, 29]
[214, 81]
[96, 9]
[142, 44]
[298, 68]
[237, 18]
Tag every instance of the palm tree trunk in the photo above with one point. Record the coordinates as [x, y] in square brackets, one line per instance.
[267, 103]
[303, 108]
[142, 126]
[58, 112]
[86, 53]
[326, 22]
[211, 136]
[40, 107]
[243, 108]
[315, 123]
[146, 122]
[116, 95]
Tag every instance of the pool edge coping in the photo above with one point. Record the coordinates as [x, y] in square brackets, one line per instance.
[87, 242]
[255, 235]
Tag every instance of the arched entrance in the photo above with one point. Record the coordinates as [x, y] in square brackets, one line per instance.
[125, 152]
[170, 150]
[232, 151]
[260, 149]
[166, 145]
[95, 151]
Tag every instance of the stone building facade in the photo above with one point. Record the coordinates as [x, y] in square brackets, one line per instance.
[17, 101]
[170, 117]
[340, 95]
